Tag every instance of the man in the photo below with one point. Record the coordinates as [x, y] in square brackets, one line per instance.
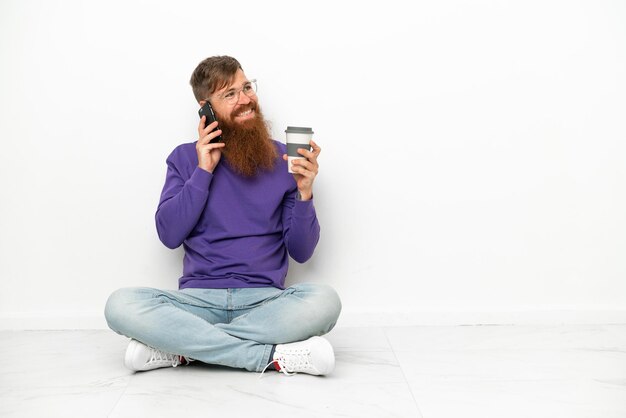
[239, 215]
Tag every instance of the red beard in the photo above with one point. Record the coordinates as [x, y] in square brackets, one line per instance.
[249, 148]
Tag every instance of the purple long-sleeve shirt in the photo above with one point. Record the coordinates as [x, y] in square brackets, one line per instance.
[236, 232]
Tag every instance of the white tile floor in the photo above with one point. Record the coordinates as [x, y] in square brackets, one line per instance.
[431, 372]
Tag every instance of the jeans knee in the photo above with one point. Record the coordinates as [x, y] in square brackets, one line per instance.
[325, 302]
[332, 303]
[116, 310]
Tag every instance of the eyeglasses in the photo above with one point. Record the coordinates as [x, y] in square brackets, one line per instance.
[231, 97]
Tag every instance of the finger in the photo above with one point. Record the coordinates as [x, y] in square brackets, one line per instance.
[215, 145]
[208, 149]
[285, 157]
[316, 148]
[305, 152]
[212, 126]
[202, 130]
[303, 172]
[306, 165]
[205, 140]
[201, 124]
[308, 155]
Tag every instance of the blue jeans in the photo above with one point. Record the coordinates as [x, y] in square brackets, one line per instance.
[229, 327]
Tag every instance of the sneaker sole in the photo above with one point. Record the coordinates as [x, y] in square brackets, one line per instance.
[130, 353]
[324, 345]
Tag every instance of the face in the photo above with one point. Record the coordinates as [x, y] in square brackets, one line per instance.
[238, 113]
[248, 147]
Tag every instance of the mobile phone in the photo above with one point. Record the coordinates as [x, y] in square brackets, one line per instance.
[207, 111]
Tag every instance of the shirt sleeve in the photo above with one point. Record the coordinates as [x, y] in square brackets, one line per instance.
[301, 229]
[182, 202]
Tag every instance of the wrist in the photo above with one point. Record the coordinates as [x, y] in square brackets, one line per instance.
[300, 195]
[207, 169]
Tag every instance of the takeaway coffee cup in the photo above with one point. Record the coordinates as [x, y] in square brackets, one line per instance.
[297, 137]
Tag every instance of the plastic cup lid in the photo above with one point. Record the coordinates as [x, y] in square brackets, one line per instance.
[298, 130]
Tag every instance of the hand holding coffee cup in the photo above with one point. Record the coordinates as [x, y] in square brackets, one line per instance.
[301, 157]
[297, 137]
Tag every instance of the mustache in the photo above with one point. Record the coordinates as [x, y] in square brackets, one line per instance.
[244, 108]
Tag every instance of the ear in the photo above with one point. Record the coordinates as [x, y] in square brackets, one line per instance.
[202, 103]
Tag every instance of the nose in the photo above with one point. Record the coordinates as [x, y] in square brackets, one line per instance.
[243, 99]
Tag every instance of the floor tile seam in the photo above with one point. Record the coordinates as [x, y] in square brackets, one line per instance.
[507, 325]
[554, 377]
[128, 381]
[406, 381]
[359, 350]
[420, 386]
[510, 349]
[67, 388]
[458, 379]
[430, 388]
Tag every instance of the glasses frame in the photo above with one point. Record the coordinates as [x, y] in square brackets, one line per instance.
[238, 92]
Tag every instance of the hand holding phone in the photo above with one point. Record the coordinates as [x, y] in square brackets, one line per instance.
[207, 111]
[208, 147]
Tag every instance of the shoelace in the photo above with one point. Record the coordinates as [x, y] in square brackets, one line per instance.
[292, 361]
[161, 357]
[282, 369]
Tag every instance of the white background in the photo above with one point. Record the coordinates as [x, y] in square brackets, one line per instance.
[473, 165]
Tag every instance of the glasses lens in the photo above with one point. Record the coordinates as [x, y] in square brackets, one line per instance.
[231, 97]
[250, 88]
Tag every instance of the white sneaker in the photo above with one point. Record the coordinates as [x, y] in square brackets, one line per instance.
[313, 356]
[140, 357]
